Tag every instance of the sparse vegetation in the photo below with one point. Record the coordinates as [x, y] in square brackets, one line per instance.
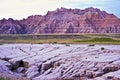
[99, 40]
[65, 38]
[1, 78]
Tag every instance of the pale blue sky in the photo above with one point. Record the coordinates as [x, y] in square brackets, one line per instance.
[19, 9]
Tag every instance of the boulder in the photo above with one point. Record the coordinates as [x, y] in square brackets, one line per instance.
[112, 78]
[111, 68]
[46, 65]
[26, 63]
[16, 63]
[20, 69]
[97, 74]
[4, 69]
[32, 72]
[48, 71]
[5, 63]
[89, 74]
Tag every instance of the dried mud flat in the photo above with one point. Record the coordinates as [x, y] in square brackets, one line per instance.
[59, 62]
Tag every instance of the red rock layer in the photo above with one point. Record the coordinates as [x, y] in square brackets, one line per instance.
[89, 20]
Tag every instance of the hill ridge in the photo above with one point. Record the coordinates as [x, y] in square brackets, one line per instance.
[63, 20]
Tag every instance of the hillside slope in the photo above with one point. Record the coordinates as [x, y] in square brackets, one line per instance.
[89, 20]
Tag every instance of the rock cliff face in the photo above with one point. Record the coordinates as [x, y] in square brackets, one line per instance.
[11, 26]
[89, 20]
[31, 23]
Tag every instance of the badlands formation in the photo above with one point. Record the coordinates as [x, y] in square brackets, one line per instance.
[60, 62]
[62, 21]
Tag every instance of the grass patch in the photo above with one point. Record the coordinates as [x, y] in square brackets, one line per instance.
[102, 40]
[61, 39]
[1, 78]
[99, 40]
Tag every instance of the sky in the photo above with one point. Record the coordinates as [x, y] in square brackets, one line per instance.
[19, 9]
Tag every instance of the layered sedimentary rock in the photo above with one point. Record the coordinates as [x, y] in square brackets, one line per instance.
[89, 20]
[60, 62]
[10, 26]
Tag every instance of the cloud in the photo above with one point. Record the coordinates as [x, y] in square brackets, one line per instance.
[24, 8]
[19, 9]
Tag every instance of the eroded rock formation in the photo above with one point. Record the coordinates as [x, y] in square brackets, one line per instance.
[60, 62]
[89, 20]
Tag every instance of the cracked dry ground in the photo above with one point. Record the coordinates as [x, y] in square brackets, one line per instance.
[60, 62]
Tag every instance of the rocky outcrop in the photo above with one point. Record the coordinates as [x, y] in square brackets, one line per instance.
[11, 26]
[31, 23]
[89, 20]
[32, 71]
[61, 62]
